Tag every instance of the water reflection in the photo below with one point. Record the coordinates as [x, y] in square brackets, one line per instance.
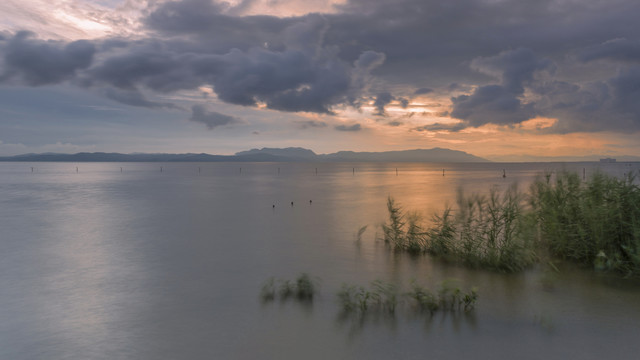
[143, 264]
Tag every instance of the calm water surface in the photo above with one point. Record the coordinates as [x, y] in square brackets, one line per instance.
[143, 264]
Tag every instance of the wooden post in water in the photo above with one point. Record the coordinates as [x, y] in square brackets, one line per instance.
[240, 170]
[121, 169]
[76, 169]
[32, 169]
[160, 168]
[316, 171]
[198, 169]
[442, 172]
[504, 173]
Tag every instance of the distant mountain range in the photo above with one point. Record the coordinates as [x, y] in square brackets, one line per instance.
[291, 154]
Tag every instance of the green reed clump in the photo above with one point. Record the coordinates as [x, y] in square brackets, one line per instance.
[491, 231]
[403, 231]
[302, 289]
[596, 223]
[488, 232]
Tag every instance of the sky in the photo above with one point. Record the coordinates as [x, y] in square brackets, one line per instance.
[508, 80]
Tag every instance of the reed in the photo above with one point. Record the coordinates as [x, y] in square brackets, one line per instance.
[595, 223]
[487, 232]
[393, 230]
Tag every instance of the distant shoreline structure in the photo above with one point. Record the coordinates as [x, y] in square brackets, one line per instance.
[608, 160]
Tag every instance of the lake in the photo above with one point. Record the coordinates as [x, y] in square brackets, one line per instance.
[166, 261]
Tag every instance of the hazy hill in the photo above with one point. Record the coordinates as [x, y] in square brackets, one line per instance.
[290, 152]
[263, 155]
[417, 155]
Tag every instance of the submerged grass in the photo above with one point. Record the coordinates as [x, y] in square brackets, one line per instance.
[302, 289]
[595, 223]
[384, 298]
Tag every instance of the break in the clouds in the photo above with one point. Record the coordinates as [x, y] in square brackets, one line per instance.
[576, 62]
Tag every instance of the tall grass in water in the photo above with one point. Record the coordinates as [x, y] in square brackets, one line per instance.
[596, 223]
[403, 231]
[492, 231]
[482, 231]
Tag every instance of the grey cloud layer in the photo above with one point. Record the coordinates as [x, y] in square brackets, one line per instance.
[36, 62]
[211, 119]
[303, 75]
[513, 55]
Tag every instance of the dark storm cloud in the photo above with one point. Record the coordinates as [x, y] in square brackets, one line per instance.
[498, 52]
[382, 100]
[37, 62]
[211, 119]
[305, 76]
[616, 49]
[491, 104]
[385, 98]
[214, 26]
[515, 68]
[354, 127]
[501, 104]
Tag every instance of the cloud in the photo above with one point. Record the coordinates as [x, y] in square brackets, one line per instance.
[304, 75]
[441, 127]
[617, 49]
[135, 98]
[369, 60]
[306, 124]
[501, 104]
[515, 68]
[354, 127]
[491, 104]
[422, 91]
[323, 62]
[36, 62]
[211, 119]
[187, 16]
[382, 100]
